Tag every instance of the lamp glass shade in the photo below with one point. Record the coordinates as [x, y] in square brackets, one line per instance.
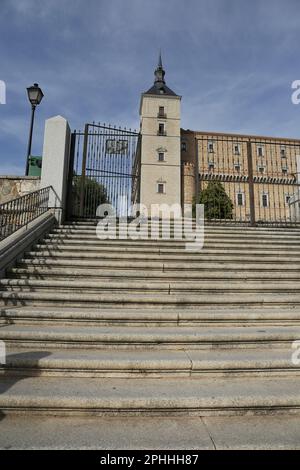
[35, 94]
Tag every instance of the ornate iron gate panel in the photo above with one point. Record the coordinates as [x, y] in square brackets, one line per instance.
[104, 167]
[247, 180]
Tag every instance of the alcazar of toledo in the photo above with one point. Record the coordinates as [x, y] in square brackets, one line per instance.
[259, 174]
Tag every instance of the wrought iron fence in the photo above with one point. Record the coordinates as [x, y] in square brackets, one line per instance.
[103, 168]
[19, 212]
[248, 180]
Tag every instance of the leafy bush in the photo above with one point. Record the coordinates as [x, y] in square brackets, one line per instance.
[217, 203]
[94, 194]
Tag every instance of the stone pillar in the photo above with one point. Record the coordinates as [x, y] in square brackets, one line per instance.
[55, 168]
[188, 170]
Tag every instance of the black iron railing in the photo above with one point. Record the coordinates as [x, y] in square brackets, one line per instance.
[19, 212]
[249, 180]
[102, 169]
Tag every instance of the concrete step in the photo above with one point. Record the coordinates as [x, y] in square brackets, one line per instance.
[145, 363]
[197, 257]
[187, 316]
[202, 316]
[164, 244]
[261, 432]
[148, 337]
[237, 238]
[169, 233]
[169, 243]
[199, 396]
[90, 237]
[226, 225]
[158, 286]
[108, 299]
[182, 267]
[254, 249]
[211, 229]
[40, 272]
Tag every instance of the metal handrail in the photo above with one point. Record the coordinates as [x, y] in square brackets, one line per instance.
[19, 212]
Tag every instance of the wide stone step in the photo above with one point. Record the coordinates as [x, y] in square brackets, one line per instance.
[229, 265]
[255, 250]
[150, 337]
[70, 298]
[226, 225]
[210, 229]
[199, 396]
[40, 272]
[92, 238]
[146, 245]
[156, 286]
[261, 432]
[238, 237]
[197, 257]
[210, 226]
[173, 244]
[207, 316]
[143, 363]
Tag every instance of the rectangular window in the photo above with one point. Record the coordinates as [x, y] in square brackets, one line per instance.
[160, 188]
[287, 199]
[282, 152]
[161, 129]
[265, 200]
[161, 157]
[210, 147]
[260, 151]
[211, 166]
[240, 199]
[237, 149]
[161, 111]
[237, 167]
[261, 169]
[183, 146]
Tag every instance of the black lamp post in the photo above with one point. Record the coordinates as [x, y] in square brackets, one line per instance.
[35, 96]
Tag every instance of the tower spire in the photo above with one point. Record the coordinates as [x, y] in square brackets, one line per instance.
[160, 87]
[159, 73]
[159, 60]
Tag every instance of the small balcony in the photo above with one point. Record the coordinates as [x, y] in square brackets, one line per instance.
[162, 133]
[162, 115]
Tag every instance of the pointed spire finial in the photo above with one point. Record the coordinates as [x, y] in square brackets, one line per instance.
[159, 72]
[160, 87]
[159, 60]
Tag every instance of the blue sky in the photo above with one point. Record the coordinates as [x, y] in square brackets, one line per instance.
[233, 62]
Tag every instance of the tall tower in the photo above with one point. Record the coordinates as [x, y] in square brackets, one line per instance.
[160, 143]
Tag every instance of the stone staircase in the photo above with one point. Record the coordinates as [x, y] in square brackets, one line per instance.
[146, 327]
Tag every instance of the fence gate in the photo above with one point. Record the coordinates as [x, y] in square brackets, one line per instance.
[247, 180]
[104, 167]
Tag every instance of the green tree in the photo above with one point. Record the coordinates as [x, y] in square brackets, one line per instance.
[94, 194]
[217, 203]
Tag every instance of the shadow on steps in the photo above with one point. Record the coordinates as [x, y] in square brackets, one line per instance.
[19, 360]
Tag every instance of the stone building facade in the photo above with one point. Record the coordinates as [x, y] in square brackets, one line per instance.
[259, 174]
[160, 166]
[273, 163]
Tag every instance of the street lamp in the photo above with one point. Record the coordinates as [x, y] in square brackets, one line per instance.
[35, 96]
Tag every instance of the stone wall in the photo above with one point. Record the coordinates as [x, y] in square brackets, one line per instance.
[12, 187]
